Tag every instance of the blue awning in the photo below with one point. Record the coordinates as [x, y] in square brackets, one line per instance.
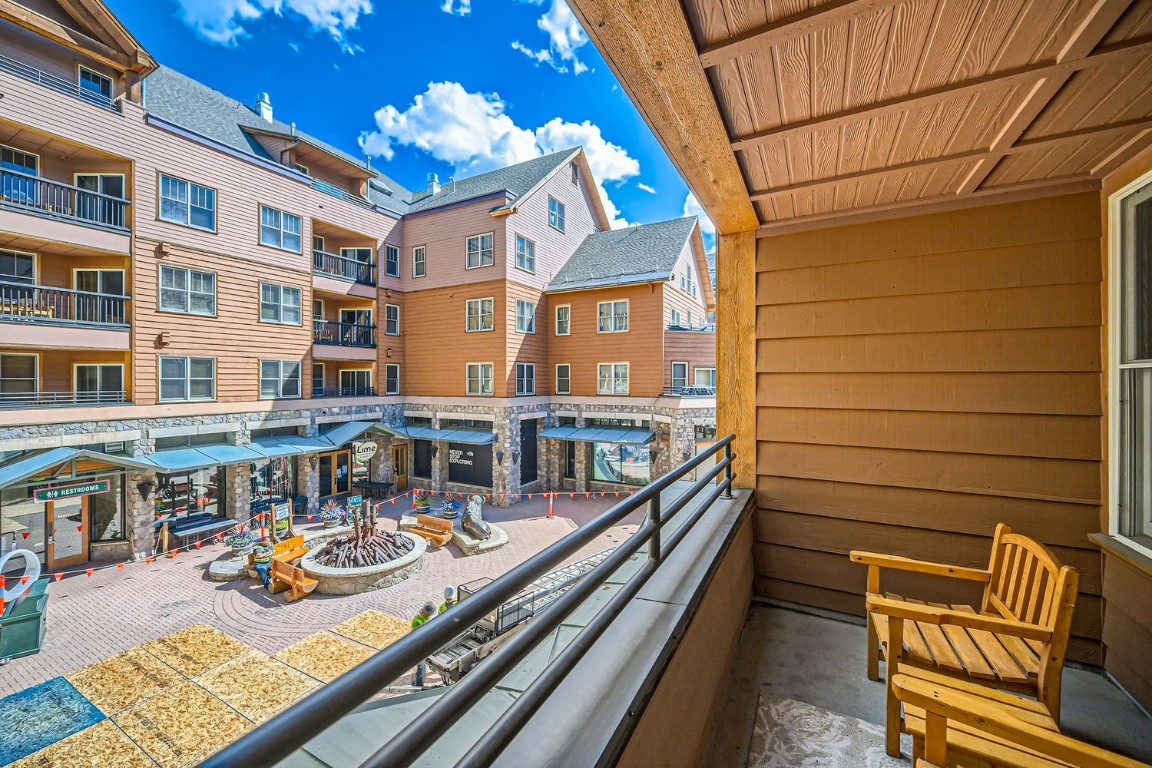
[342, 433]
[272, 448]
[623, 435]
[226, 453]
[181, 459]
[467, 436]
[305, 444]
[31, 466]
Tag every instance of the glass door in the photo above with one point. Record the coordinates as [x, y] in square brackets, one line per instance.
[400, 466]
[342, 472]
[68, 531]
[325, 474]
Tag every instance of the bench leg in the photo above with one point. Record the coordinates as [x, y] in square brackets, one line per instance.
[893, 723]
[873, 651]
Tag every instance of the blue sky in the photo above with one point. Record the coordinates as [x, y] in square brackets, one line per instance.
[449, 86]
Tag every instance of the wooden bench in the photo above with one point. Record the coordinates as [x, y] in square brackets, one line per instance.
[954, 722]
[286, 576]
[1015, 639]
[436, 529]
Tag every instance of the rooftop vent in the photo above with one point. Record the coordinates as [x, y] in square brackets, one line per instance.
[433, 184]
[264, 107]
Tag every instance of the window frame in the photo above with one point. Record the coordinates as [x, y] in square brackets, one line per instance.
[389, 378]
[480, 315]
[260, 225]
[388, 321]
[627, 378]
[280, 303]
[530, 329]
[99, 366]
[280, 379]
[36, 378]
[568, 320]
[371, 380]
[672, 374]
[522, 370]
[160, 176]
[187, 290]
[567, 377]
[480, 250]
[391, 260]
[323, 377]
[420, 267]
[187, 380]
[556, 214]
[613, 315]
[35, 257]
[696, 374]
[532, 255]
[80, 69]
[468, 378]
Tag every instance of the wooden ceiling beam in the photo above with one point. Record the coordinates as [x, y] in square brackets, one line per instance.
[1031, 74]
[1136, 127]
[139, 58]
[70, 38]
[787, 28]
[650, 49]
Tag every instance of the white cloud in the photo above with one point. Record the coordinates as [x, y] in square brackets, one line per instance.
[457, 7]
[224, 21]
[473, 132]
[565, 38]
[692, 207]
[645, 188]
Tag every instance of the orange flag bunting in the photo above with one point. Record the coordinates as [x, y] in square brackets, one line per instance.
[219, 537]
[148, 559]
[617, 494]
[571, 495]
[80, 528]
[57, 576]
[89, 571]
[25, 534]
[393, 500]
[119, 566]
[310, 518]
[23, 579]
[175, 551]
[529, 495]
[587, 495]
[3, 581]
[199, 544]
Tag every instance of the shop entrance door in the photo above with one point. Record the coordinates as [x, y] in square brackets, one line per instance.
[67, 531]
[335, 473]
[400, 466]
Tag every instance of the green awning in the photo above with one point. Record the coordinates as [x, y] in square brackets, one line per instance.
[342, 433]
[623, 435]
[31, 466]
[466, 436]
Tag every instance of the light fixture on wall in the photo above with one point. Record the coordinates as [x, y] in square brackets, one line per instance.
[687, 455]
[388, 352]
[435, 449]
[145, 489]
[499, 457]
[653, 452]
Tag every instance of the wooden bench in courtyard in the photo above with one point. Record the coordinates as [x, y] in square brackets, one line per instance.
[285, 571]
[955, 722]
[435, 529]
[1014, 640]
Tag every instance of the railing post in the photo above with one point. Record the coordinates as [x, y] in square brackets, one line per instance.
[654, 518]
[728, 472]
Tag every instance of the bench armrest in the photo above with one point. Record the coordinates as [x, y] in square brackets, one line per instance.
[919, 566]
[900, 609]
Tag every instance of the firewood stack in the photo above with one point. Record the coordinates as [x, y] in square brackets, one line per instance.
[365, 545]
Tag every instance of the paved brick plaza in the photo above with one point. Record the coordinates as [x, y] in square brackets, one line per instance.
[91, 618]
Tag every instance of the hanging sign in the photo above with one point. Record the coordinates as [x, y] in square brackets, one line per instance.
[354, 500]
[364, 451]
[71, 491]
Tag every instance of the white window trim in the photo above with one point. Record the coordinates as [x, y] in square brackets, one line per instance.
[468, 380]
[628, 367]
[340, 377]
[35, 264]
[280, 303]
[187, 379]
[111, 80]
[39, 372]
[387, 367]
[531, 318]
[672, 373]
[556, 326]
[1115, 254]
[388, 307]
[388, 247]
[696, 372]
[39, 164]
[280, 379]
[160, 175]
[518, 377]
[160, 291]
[76, 384]
[516, 253]
[480, 235]
[612, 314]
[481, 315]
[423, 261]
[323, 376]
[561, 213]
[283, 213]
[556, 380]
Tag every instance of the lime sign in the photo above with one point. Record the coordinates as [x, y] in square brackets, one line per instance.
[70, 491]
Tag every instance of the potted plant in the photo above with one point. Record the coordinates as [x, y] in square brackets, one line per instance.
[422, 500]
[241, 542]
[331, 513]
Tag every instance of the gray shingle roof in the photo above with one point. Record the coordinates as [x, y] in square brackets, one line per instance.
[640, 254]
[192, 105]
[516, 179]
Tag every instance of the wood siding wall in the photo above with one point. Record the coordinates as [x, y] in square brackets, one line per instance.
[675, 298]
[696, 348]
[55, 366]
[920, 380]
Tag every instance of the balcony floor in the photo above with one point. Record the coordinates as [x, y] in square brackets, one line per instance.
[819, 660]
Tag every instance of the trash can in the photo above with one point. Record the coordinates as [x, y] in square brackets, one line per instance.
[22, 626]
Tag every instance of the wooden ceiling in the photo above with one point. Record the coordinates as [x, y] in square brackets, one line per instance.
[857, 107]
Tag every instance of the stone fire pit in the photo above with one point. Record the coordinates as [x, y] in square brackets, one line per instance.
[351, 581]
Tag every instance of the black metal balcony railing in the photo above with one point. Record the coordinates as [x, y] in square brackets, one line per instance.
[267, 744]
[12, 399]
[61, 306]
[55, 200]
[342, 194]
[343, 392]
[343, 334]
[335, 265]
[690, 391]
[694, 327]
[20, 69]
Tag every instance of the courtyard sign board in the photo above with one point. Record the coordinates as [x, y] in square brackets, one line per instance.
[71, 491]
[364, 451]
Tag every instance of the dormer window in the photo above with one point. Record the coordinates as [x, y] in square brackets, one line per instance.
[94, 83]
[555, 214]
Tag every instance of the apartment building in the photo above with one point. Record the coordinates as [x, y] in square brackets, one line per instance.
[204, 309]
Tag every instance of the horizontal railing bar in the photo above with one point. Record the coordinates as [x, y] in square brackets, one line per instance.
[680, 501]
[284, 733]
[28, 72]
[417, 736]
[513, 719]
[65, 185]
[37, 287]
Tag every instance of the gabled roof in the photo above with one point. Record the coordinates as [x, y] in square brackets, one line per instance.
[646, 253]
[95, 32]
[192, 105]
[517, 180]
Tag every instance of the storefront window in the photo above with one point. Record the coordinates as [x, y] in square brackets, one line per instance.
[106, 511]
[705, 433]
[615, 463]
[186, 493]
[274, 479]
[20, 515]
[570, 459]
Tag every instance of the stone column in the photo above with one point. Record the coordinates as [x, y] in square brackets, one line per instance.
[139, 514]
[380, 467]
[239, 482]
[512, 458]
[583, 467]
[308, 481]
[439, 465]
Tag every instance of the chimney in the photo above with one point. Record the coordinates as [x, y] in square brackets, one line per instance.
[264, 107]
[433, 184]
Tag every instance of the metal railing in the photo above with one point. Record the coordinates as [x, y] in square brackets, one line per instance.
[67, 87]
[343, 194]
[692, 327]
[33, 194]
[61, 306]
[48, 399]
[279, 737]
[335, 265]
[690, 391]
[337, 334]
[343, 391]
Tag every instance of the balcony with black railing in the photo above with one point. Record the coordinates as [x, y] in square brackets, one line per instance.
[56, 200]
[13, 395]
[692, 327]
[687, 390]
[48, 305]
[56, 83]
[332, 333]
[343, 268]
[318, 392]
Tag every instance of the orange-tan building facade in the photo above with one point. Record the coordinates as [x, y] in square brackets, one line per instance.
[204, 310]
